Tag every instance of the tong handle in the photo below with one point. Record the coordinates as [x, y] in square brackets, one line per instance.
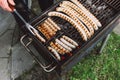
[29, 27]
[45, 68]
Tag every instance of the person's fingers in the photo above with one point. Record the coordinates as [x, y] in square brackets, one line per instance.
[5, 6]
[11, 2]
[1, 2]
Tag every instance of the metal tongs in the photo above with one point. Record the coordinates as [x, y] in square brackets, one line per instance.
[29, 27]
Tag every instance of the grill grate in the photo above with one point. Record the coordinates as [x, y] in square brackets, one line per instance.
[99, 8]
[68, 28]
[114, 3]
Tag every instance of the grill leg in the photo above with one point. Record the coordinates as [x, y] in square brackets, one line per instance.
[103, 44]
[63, 76]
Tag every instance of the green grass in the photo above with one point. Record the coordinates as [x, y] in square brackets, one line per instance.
[100, 67]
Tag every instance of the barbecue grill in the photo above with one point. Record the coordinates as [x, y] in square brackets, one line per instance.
[106, 11]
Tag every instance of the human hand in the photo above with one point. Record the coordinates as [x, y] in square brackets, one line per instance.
[5, 5]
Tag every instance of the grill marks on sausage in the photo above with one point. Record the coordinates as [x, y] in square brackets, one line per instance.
[74, 13]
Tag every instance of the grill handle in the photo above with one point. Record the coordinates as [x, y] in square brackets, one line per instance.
[45, 68]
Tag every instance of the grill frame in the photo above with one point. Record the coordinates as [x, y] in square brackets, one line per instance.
[67, 65]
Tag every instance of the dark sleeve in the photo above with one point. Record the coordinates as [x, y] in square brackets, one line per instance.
[22, 8]
[44, 4]
[24, 11]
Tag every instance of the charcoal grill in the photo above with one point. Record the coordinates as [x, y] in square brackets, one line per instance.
[107, 13]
